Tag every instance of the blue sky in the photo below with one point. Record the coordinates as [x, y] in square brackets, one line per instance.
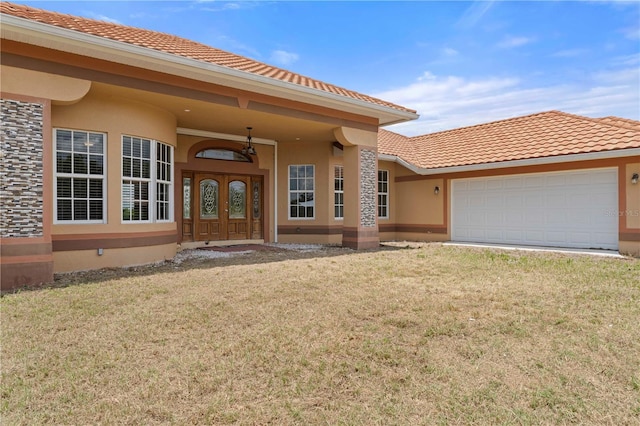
[457, 63]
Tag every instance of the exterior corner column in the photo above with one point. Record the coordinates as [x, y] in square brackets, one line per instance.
[26, 188]
[360, 230]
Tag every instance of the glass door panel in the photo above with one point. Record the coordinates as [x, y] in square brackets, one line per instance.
[237, 200]
[209, 199]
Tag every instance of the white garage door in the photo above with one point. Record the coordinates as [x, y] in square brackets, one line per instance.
[561, 209]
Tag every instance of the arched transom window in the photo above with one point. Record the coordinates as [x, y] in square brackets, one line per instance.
[222, 154]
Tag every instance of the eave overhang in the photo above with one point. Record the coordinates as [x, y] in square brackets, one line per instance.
[62, 39]
[618, 153]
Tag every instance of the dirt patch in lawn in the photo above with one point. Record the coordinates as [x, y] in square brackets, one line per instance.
[205, 258]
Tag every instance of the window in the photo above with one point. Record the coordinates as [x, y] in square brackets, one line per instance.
[338, 192]
[80, 176]
[163, 181]
[383, 194]
[223, 154]
[301, 192]
[146, 196]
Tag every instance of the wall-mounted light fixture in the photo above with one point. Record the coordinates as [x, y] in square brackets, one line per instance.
[436, 190]
[634, 178]
[248, 148]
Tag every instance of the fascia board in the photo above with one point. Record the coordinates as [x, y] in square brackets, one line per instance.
[50, 36]
[403, 163]
[619, 153]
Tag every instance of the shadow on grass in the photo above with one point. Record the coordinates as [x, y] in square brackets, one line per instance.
[233, 258]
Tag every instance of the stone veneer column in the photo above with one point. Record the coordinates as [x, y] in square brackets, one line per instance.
[360, 229]
[25, 239]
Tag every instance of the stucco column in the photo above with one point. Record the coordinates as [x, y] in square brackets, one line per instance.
[360, 229]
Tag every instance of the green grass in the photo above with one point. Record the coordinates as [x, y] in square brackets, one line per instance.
[435, 335]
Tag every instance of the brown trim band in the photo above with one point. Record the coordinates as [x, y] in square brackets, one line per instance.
[360, 238]
[309, 230]
[24, 249]
[110, 241]
[629, 236]
[422, 229]
[359, 233]
[418, 229]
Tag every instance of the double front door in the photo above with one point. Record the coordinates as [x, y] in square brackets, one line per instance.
[226, 207]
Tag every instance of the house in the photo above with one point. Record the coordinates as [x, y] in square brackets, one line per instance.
[547, 179]
[121, 145]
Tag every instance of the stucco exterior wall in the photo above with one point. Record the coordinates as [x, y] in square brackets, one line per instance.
[632, 193]
[81, 260]
[316, 230]
[116, 117]
[630, 209]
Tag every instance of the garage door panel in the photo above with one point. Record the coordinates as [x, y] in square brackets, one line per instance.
[495, 184]
[514, 183]
[514, 219]
[477, 185]
[556, 180]
[582, 238]
[480, 234]
[535, 237]
[534, 181]
[565, 209]
[514, 201]
[534, 200]
[513, 235]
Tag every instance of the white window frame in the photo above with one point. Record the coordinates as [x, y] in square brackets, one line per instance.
[338, 191]
[87, 176]
[384, 194]
[157, 167]
[300, 191]
[164, 176]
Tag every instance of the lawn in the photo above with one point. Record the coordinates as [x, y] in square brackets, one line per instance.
[429, 335]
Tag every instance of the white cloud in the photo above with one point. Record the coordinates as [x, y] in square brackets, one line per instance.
[632, 33]
[627, 60]
[569, 53]
[474, 13]
[104, 18]
[510, 41]
[282, 57]
[447, 51]
[227, 43]
[448, 102]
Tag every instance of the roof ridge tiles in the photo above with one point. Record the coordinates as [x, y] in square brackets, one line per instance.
[613, 120]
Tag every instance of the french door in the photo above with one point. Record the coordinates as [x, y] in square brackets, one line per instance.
[226, 207]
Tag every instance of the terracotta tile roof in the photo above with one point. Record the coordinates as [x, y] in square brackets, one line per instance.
[545, 134]
[182, 47]
[396, 144]
[619, 121]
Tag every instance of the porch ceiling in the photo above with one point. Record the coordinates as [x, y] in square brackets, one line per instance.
[207, 116]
